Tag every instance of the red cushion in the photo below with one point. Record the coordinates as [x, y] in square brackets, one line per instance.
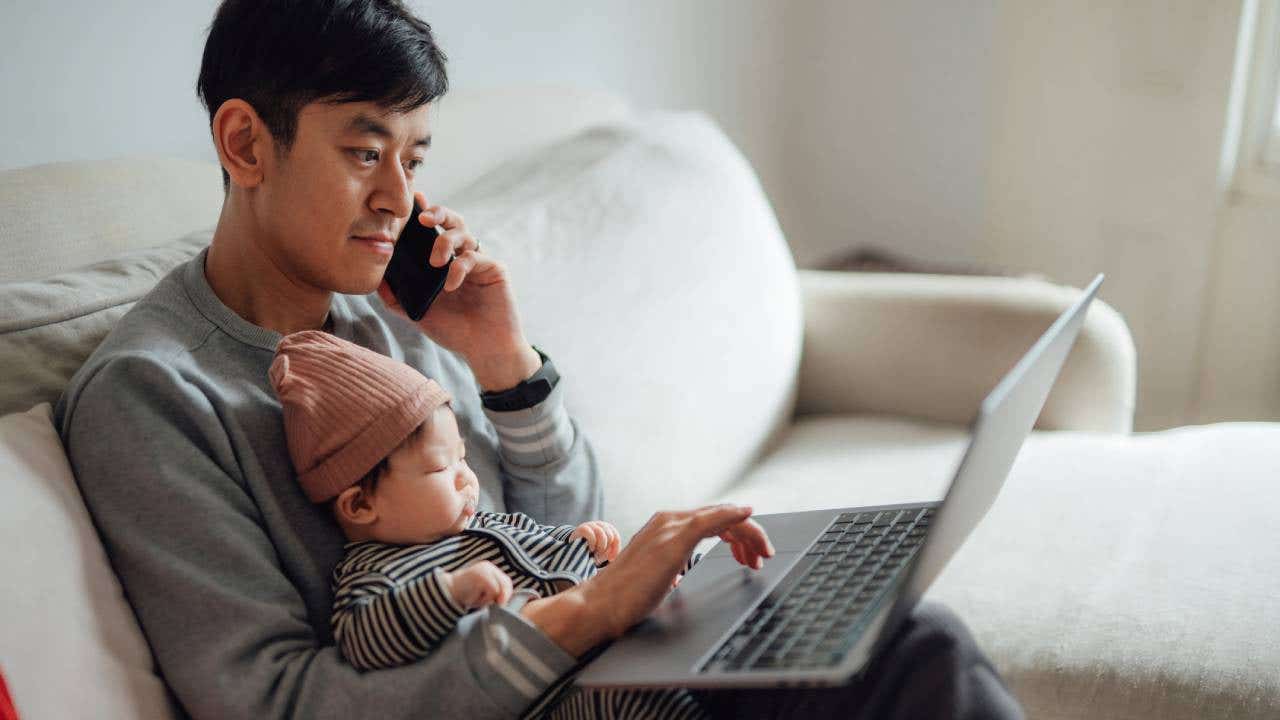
[7, 710]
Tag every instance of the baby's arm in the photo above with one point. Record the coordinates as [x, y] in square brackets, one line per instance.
[601, 537]
[380, 622]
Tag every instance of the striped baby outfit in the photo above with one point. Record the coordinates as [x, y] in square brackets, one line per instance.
[390, 607]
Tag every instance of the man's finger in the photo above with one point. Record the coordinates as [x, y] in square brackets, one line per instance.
[451, 244]
[446, 218]
[750, 533]
[763, 541]
[712, 520]
[458, 272]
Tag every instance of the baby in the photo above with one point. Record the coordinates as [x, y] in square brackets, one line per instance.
[379, 443]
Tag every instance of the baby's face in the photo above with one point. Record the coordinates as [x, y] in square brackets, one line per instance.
[428, 491]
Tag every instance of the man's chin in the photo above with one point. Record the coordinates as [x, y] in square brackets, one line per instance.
[357, 285]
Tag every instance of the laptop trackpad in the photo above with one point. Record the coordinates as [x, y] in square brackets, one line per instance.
[662, 650]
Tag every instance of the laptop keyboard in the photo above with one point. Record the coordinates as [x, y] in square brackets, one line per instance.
[813, 616]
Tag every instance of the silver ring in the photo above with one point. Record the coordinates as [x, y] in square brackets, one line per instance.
[477, 248]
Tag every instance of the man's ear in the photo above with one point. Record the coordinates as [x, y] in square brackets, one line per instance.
[242, 140]
[354, 506]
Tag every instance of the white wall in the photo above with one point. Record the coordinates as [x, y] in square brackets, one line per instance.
[87, 80]
[885, 135]
[1108, 122]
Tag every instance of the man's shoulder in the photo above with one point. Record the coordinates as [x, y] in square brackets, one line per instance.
[158, 333]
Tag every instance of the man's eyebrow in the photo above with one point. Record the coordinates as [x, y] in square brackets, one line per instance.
[366, 125]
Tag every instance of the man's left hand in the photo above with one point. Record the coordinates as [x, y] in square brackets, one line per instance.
[475, 314]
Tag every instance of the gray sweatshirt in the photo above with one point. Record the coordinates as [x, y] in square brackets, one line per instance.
[177, 443]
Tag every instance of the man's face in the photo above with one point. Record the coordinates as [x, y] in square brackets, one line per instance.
[347, 180]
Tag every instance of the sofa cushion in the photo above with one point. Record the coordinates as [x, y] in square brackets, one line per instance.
[69, 643]
[49, 327]
[648, 263]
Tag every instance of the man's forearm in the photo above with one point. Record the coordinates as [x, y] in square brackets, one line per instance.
[566, 619]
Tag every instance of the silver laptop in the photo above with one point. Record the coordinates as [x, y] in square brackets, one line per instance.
[844, 579]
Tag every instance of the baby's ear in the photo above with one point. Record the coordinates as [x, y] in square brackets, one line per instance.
[352, 505]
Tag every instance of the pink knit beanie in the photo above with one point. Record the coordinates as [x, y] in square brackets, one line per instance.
[345, 408]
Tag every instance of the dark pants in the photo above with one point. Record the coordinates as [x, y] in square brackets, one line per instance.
[931, 670]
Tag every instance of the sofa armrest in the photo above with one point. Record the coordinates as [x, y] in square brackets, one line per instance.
[932, 346]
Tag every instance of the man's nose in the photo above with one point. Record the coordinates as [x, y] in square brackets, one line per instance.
[394, 193]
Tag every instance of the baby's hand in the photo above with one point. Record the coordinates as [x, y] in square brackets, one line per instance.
[478, 585]
[602, 538]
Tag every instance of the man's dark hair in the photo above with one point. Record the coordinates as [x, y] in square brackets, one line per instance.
[280, 55]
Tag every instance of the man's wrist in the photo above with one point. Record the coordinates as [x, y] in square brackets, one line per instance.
[565, 619]
[501, 371]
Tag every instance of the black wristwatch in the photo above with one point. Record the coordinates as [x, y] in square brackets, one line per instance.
[528, 393]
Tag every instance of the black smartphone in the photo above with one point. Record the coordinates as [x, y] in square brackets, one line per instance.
[412, 278]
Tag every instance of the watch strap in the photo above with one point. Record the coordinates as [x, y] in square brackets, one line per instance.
[528, 392]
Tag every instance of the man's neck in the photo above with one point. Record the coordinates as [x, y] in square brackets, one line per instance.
[249, 282]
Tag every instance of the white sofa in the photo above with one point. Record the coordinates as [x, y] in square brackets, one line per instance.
[1117, 576]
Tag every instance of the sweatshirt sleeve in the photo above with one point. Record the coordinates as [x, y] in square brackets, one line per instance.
[229, 631]
[548, 467]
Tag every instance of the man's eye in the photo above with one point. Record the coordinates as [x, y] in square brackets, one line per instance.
[373, 155]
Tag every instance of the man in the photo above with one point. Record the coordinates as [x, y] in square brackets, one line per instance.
[320, 113]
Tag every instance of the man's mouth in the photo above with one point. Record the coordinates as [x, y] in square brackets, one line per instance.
[381, 244]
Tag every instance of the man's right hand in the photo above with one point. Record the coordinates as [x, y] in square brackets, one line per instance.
[624, 593]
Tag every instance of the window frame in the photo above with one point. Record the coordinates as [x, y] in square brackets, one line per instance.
[1257, 157]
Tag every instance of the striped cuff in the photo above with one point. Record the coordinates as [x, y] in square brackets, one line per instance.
[536, 436]
[517, 661]
[452, 608]
[562, 532]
